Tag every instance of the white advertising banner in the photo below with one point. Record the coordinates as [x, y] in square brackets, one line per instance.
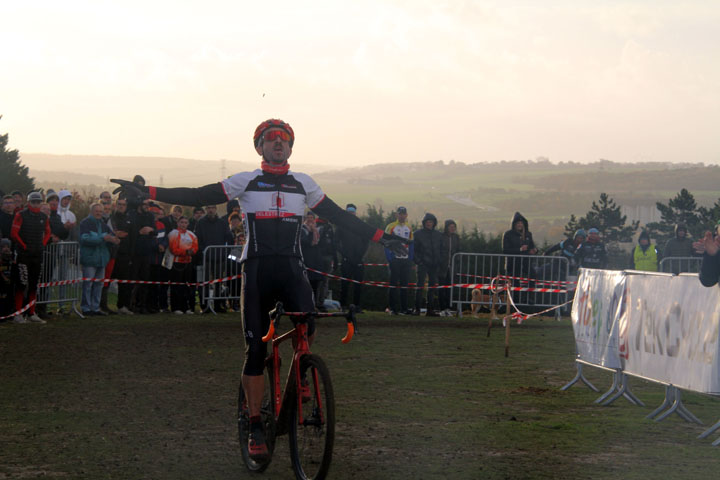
[671, 331]
[599, 302]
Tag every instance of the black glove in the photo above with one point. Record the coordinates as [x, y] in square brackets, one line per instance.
[133, 192]
[395, 243]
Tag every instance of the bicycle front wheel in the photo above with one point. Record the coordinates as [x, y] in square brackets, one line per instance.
[312, 436]
[268, 418]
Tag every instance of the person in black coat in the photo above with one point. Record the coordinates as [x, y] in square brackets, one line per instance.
[144, 233]
[7, 214]
[352, 250]
[212, 230]
[428, 258]
[519, 241]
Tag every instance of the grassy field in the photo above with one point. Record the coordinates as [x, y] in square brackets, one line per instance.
[154, 397]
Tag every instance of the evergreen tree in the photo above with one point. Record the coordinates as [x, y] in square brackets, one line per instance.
[13, 175]
[681, 209]
[376, 217]
[708, 217]
[606, 216]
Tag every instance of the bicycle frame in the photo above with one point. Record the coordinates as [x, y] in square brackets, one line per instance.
[301, 347]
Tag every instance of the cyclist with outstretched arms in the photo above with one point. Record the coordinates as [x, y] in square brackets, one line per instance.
[273, 199]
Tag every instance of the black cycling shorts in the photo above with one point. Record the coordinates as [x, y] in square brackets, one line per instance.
[267, 280]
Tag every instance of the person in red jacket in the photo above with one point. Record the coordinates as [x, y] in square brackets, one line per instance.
[183, 244]
[30, 233]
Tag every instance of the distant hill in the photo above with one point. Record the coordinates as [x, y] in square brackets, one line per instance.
[165, 171]
[481, 194]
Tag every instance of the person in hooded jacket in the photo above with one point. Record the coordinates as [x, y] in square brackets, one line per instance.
[66, 215]
[678, 246]
[450, 246]
[519, 241]
[645, 255]
[428, 258]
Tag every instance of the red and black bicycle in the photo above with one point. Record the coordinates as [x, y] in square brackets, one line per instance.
[305, 410]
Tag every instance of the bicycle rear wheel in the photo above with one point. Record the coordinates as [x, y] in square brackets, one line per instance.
[312, 437]
[268, 419]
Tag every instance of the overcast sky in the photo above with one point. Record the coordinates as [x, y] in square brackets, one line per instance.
[365, 81]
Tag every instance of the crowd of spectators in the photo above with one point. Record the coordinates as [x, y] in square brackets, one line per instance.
[155, 243]
[147, 242]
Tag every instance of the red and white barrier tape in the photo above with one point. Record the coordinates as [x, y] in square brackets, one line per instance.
[22, 310]
[522, 279]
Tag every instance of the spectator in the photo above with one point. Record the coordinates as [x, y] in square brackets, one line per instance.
[645, 255]
[95, 235]
[183, 245]
[7, 300]
[238, 234]
[57, 229]
[233, 206]
[139, 180]
[592, 253]
[171, 220]
[211, 230]
[328, 259]
[198, 212]
[519, 241]
[709, 246]
[309, 243]
[157, 293]
[66, 215]
[678, 246]
[143, 224]
[568, 248]
[450, 246]
[352, 251]
[19, 201]
[30, 233]
[428, 258]
[122, 225]
[106, 201]
[7, 214]
[400, 265]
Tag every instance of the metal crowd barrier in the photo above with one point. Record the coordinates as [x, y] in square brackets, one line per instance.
[678, 265]
[220, 261]
[534, 272]
[61, 262]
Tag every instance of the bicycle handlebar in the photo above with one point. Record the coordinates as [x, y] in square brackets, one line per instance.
[279, 311]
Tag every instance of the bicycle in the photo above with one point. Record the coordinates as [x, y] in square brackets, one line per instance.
[307, 413]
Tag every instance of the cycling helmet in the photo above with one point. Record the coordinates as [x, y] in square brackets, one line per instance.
[580, 233]
[273, 123]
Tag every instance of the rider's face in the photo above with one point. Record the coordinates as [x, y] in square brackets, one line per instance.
[275, 151]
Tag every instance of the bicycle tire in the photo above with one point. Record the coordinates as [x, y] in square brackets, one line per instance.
[268, 419]
[311, 444]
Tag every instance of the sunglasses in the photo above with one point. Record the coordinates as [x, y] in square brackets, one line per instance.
[275, 134]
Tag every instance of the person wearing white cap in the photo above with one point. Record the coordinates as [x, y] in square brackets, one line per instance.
[30, 233]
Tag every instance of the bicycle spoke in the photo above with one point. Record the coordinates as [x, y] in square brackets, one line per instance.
[311, 438]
